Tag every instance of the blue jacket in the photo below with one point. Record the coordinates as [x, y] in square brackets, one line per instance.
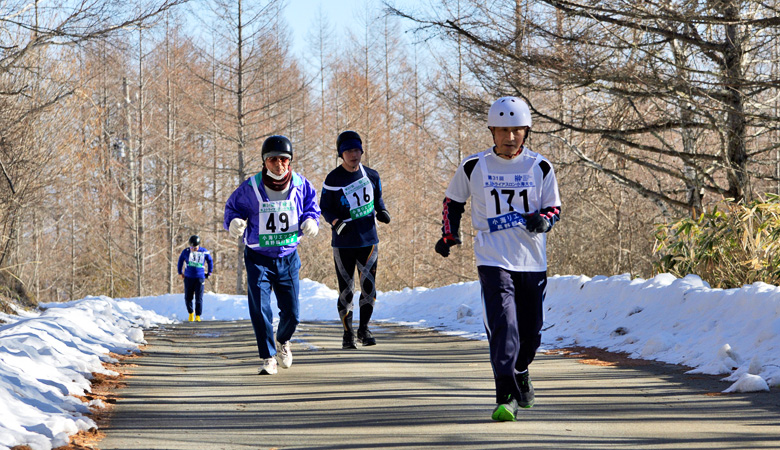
[194, 263]
[243, 204]
[358, 232]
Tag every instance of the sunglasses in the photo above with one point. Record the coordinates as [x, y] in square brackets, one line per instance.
[274, 159]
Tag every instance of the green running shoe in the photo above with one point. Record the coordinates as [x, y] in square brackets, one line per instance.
[506, 411]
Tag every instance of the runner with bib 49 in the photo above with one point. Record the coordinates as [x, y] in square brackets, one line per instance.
[271, 211]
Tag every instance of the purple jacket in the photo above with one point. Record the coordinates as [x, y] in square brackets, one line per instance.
[243, 204]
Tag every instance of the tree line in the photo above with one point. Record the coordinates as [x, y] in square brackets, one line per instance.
[123, 130]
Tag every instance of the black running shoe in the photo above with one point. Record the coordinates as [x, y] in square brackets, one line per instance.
[365, 337]
[349, 341]
[526, 390]
[506, 411]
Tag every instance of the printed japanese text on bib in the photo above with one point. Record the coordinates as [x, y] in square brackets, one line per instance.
[360, 195]
[278, 223]
[506, 197]
[196, 259]
[277, 220]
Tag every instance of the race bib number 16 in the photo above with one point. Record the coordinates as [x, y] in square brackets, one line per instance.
[360, 195]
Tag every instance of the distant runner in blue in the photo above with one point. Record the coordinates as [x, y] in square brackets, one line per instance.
[514, 203]
[272, 210]
[195, 265]
[351, 200]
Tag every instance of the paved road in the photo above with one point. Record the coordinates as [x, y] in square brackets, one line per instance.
[197, 388]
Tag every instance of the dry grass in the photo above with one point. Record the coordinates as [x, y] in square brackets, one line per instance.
[106, 389]
[598, 357]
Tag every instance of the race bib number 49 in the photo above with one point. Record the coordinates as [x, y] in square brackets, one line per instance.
[278, 224]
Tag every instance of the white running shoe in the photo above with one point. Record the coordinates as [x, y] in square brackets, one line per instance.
[284, 354]
[269, 367]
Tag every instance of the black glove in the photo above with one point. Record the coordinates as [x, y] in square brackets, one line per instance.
[207, 276]
[383, 216]
[536, 223]
[339, 226]
[444, 244]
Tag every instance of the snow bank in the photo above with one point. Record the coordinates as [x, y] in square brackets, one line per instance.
[47, 358]
[680, 321]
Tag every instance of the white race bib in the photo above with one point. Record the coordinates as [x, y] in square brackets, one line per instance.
[277, 220]
[360, 195]
[196, 259]
[506, 197]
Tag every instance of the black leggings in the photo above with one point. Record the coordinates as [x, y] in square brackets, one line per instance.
[347, 259]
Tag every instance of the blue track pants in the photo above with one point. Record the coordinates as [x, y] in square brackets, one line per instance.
[513, 314]
[264, 274]
[193, 287]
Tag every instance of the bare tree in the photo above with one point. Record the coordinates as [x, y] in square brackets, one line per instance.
[33, 35]
[675, 89]
[258, 80]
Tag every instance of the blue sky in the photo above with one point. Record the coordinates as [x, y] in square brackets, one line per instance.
[302, 14]
[341, 14]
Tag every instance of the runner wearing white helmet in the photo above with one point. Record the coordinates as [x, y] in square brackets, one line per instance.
[514, 203]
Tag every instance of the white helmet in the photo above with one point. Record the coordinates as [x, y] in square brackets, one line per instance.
[509, 112]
